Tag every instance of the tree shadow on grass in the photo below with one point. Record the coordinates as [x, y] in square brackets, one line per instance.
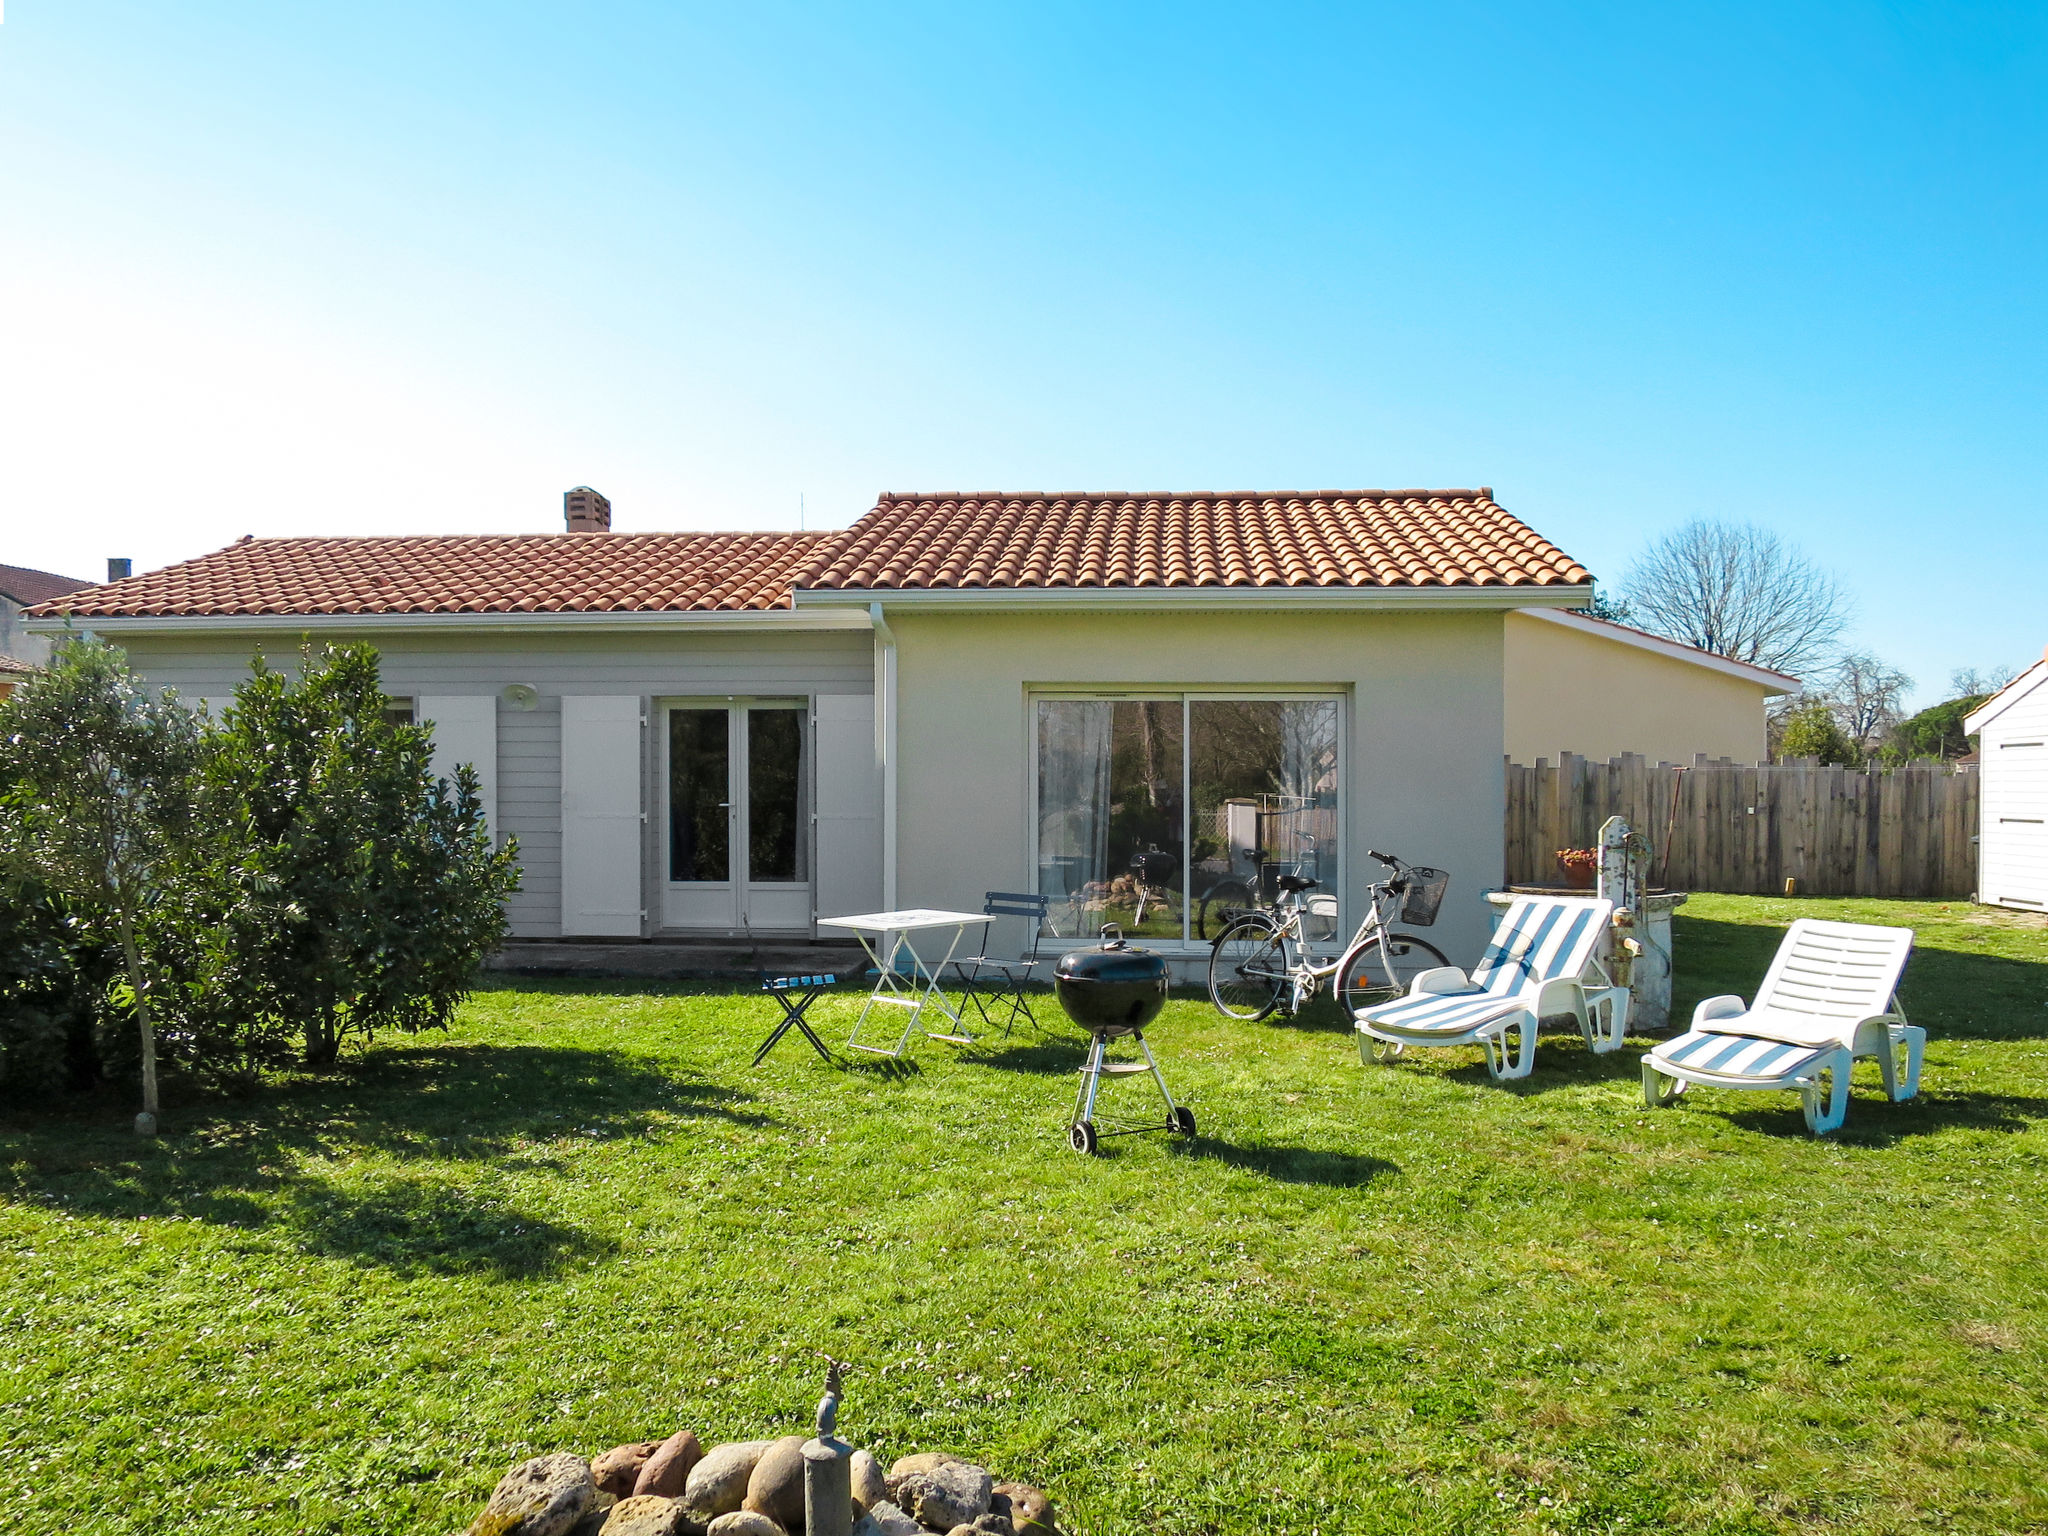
[1294, 1165]
[448, 1104]
[414, 1225]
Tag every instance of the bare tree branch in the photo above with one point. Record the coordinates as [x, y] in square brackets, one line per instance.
[1865, 694]
[1740, 591]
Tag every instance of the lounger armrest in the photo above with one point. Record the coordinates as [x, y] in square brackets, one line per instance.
[1726, 1006]
[1443, 978]
[1870, 1035]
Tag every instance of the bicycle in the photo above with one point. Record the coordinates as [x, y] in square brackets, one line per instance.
[1261, 962]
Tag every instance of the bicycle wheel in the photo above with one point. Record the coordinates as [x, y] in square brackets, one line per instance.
[1248, 969]
[1363, 980]
[1221, 905]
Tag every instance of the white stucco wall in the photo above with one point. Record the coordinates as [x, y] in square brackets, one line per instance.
[1571, 691]
[1422, 746]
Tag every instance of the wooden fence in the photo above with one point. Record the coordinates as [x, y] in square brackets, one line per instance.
[1725, 826]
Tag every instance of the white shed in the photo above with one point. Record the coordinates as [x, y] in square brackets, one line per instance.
[2012, 835]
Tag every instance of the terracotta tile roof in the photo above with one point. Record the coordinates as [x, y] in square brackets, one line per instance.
[1197, 539]
[529, 573]
[1237, 539]
[27, 587]
[11, 666]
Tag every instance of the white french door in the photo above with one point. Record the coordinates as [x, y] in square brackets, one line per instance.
[737, 815]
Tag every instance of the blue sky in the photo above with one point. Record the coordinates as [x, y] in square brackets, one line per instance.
[382, 268]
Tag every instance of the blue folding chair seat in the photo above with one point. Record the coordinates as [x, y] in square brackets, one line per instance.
[795, 994]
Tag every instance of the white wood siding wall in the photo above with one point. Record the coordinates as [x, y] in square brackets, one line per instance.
[529, 780]
[2012, 834]
[465, 731]
[849, 804]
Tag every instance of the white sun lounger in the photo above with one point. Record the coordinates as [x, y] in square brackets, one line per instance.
[1830, 996]
[1541, 962]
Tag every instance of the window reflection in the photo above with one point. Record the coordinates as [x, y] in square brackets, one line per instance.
[1163, 815]
[699, 829]
[775, 794]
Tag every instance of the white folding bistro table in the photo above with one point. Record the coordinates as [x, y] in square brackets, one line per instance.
[886, 936]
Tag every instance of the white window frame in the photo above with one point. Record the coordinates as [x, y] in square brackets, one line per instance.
[1167, 693]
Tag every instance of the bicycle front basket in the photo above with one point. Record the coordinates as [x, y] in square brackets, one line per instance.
[1424, 895]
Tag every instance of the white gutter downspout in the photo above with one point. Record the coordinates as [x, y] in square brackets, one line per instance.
[885, 745]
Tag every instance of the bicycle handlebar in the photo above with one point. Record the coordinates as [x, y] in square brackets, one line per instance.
[1385, 858]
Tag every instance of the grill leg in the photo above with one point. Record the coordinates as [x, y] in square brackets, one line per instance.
[1158, 1076]
[1091, 1080]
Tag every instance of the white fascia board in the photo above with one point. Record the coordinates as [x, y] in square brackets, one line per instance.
[318, 623]
[1277, 599]
[1677, 650]
[2006, 697]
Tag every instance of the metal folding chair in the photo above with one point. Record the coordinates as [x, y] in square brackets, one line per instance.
[795, 994]
[995, 983]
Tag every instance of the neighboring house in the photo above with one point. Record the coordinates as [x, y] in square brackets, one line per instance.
[1585, 685]
[12, 672]
[22, 588]
[2012, 757]
[692, 734]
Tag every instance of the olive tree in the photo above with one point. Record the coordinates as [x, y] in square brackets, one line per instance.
[98, 802]
[363, 890]
[1739, 591]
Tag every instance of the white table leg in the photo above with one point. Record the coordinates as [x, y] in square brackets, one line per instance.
[934, 990]
[885, 990]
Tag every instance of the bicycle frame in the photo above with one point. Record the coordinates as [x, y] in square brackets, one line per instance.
[1302, 974]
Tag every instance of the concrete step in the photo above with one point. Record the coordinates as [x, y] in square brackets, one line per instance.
[691, 960]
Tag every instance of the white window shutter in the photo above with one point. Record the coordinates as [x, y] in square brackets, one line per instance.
[465, 731]
[601, 828]
[849, 802]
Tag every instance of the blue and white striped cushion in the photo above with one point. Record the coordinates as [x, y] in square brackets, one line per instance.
[1445, 1013]
[1738, 1055]
[1538, 941]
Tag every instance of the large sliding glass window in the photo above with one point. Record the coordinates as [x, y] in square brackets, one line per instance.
[1160, 814]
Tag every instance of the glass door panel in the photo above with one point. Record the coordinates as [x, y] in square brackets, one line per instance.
[1111, 836]
[1262, 776]
[699, 795]
[777, 890]
[775, 799]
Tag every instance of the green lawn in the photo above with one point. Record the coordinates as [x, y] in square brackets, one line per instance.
[1397, 1299]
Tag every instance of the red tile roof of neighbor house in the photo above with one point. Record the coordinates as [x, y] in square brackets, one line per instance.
[11, 666]
[1237, 539]
[28, 587]
[514, 573]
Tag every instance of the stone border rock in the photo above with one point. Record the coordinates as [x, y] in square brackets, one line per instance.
[675, 1487]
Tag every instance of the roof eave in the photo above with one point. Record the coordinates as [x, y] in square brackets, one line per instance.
[319, 623]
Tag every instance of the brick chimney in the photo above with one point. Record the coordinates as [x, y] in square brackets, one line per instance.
[586, 511]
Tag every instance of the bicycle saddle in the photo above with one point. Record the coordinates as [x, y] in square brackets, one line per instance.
[1295, 883]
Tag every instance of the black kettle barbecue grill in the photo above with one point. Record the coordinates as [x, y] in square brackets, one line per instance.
[1111, 991]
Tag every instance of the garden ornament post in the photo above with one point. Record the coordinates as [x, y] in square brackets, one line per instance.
[828, 1468]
